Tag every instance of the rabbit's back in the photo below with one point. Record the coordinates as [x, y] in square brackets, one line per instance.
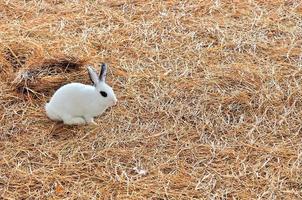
[71, 99]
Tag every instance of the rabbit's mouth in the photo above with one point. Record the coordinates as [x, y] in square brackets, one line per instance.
[114, 102]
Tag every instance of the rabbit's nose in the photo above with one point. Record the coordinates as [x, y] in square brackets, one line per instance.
[114, 102]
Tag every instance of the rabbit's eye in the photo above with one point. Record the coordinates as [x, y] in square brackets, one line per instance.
[104, 94]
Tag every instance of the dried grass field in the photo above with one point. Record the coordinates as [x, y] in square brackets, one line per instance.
[209, 99]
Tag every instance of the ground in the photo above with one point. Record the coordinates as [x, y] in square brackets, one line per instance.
[209, 99]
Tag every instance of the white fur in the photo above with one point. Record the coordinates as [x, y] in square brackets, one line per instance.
[76, 103]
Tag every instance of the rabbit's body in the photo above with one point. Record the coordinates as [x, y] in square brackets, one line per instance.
[76, 103]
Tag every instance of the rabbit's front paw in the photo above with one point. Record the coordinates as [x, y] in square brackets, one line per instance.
[90, 120]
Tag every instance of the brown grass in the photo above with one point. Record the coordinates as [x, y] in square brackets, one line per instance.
[210, 101]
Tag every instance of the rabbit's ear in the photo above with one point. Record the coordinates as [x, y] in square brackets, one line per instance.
[103, 72]
[93, 75]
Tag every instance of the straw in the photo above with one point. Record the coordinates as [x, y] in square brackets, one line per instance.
[209, 99]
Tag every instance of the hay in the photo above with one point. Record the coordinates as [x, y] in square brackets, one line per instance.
[210, 101]
[44, 78]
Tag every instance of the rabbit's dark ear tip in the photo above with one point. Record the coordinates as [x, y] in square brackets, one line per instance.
[103, 65]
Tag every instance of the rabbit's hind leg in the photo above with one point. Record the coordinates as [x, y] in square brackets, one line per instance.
[73, 120]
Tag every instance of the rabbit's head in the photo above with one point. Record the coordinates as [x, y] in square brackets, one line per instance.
[105, 92]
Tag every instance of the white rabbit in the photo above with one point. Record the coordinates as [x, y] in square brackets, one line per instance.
[76, 103]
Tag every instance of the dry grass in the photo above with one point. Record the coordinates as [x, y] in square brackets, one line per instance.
[210, 99]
